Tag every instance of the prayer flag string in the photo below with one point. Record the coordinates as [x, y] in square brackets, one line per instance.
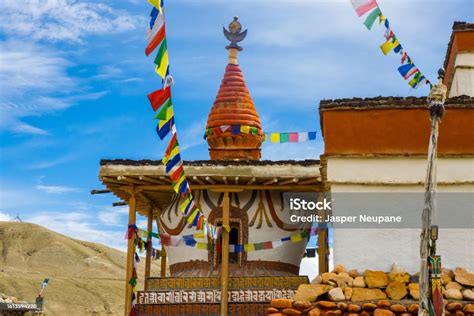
[370, 11]
[162, 104]
[275, 137]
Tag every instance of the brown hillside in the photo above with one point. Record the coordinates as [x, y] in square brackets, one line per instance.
[85, 278]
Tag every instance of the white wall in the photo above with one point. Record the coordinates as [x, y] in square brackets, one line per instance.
[463, 79]
[380, 248]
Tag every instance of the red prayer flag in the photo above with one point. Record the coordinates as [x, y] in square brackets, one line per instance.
[267, 245]
[157, 39]
[171, 145]
[293, 137]
[176, 175]
[158, 97]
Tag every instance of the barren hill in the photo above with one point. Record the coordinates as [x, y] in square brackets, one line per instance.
[85, 278]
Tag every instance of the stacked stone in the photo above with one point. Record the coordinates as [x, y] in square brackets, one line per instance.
[342, 292]
[9, 299]
[283, 306]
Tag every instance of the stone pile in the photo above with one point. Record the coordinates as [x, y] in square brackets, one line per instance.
[9, 299]
[342, 292]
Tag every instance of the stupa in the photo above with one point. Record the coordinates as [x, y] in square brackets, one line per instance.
[232, 109]
[255, 260]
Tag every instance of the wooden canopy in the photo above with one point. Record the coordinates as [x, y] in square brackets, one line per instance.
[153, 187]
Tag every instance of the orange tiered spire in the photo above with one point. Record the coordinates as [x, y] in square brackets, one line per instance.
[232, 109]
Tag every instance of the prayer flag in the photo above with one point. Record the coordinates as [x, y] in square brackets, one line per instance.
[312, 135]
[153, 14]
[165, 110]
[171, 145]
[224, 128]
[249, 247]
[407, 70]
[245, 129]
[296, 238]
[277, 243]
[235, 129]
[284, 137]
[389, 45]
[175, 161]
[370, 20]
[363, 6]
[275, 137]
[162, 68]
[253, 130]
[158, 97]
[302, 137]
[158, 4]
[293, 137]
[156, 40]
[161, 53]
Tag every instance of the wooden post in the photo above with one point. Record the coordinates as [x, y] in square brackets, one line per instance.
[130, 254]
[225, 255]
[163, 262]
[163, 251]
[323, 238]
[436, 100]
[149, 228]
[323, 261]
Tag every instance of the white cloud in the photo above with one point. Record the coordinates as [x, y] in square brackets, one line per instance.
[35, 82]
[113, 215]
[59, 20]
[55, 189]
[80, 226]
[4, 217]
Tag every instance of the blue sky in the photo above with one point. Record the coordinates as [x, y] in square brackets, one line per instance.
[74, 80]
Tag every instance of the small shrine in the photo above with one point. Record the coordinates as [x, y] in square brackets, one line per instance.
[257, 257]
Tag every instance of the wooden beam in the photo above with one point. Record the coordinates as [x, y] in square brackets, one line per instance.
[196, 178]
[225, 255]
[308, 181]
[210, 180]
[149, 179]
[121, 203]
[274, 180]
[289, 181]
[99, 191]
[149, 228]
[129, 180]
[298, 187]
[132, 214]
[252, 180]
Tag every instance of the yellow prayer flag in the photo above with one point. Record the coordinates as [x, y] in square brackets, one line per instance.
[192, 216]
[296, 238]
[245, 129]
[162, 68]
[199, 235]
[156, 4]
[169, 115]
[183, 205]
[388, 46]
[177, 184]
[227, 227]
[201, 245]
[249, 247]
[275, 137]
[173, 153]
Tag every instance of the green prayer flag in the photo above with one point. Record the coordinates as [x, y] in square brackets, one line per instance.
[133, 282]
[284, 137]
[161, 115]
[369, 21]
[258, 246]
[161, 52]
[253, 130]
